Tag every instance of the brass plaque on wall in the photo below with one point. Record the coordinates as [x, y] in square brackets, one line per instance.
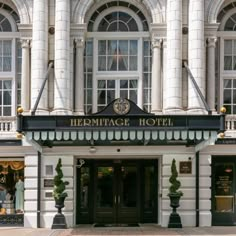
[48, 183]
[185, 167]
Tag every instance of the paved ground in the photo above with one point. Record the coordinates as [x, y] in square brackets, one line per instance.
[142, 230]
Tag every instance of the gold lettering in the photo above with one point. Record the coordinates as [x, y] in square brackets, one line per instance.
[126, 122]
[141, 122]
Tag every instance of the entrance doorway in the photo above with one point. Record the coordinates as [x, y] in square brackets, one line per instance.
[223, 190]
[117, 192]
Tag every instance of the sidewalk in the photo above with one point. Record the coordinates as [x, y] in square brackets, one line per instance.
[146, 230]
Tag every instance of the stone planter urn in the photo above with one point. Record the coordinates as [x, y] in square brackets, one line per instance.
[174, 195]
[59, 221]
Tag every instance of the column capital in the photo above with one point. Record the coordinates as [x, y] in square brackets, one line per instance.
[79, 42]
[25, 43]
[211, 41]
[157, 42]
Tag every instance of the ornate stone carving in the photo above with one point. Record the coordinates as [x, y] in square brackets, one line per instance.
[79, 42]
[211, 42]
[25, 43]
[156, 42]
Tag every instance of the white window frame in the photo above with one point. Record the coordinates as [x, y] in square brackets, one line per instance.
[11, 75]
[105, 75]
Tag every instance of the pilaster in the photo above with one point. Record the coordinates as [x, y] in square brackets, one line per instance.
[79, 79]
[156, 75]
[211, 45]
[25, 80]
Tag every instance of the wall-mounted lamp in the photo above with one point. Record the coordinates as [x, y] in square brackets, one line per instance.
[92, 150]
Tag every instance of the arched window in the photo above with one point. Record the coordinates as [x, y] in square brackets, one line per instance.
[10, 61]
[117, 57]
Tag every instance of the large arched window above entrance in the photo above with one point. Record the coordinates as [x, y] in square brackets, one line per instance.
[117, 57]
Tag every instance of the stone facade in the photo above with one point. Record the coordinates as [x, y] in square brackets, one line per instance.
[179, 30]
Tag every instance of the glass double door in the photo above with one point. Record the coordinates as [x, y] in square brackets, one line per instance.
[224, 190]
[116, 193]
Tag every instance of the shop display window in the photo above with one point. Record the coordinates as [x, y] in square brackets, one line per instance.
[11, 187]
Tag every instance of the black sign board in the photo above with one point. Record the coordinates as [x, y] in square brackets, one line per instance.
[185, 167]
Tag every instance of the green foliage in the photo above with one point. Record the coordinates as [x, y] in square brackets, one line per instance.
[59, 184]
[175, 184]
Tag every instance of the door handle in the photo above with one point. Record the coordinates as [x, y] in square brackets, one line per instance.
[115, 199]
[119, 199]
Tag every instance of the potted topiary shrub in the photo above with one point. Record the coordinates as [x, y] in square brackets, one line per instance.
[174, 195]
[59, 195]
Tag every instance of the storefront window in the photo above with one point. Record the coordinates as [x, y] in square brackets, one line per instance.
[224, 187]
[11, 187]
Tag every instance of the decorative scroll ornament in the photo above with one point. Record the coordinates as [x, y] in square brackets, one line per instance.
[121, 106]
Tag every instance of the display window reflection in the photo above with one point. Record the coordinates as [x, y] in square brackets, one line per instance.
[11, 187]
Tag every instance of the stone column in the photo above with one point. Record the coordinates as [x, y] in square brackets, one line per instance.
[39, 54]
[211, 72]
[79, 79]
[196, 52]
[156, 76]
[173, 95]
[25, 76]
[62, 89]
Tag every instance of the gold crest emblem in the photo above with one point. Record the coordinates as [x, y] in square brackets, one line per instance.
[121, 106]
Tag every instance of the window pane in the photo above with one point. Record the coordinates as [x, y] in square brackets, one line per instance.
[133, 25]
[123, 84]
[7, 84]
[102, 47]
[89, 48]
[102, 63]
[7, 97]
[101, 84]
[89, 64]
[7, 48]
[234, 65]
[228, 63]
[89, 96]
[133, 47]
[122, 27]
[112, 63]
[133, 83]
[123, 63]
[6, 111]
[133, 96]
[101, 97]
[133, 63]
[123, 47]
[111, 84]
[0, 97]
[6, 64]
[228, 47]
[110, 95]
[89, 81]
[112, 47]
[234, 97]
[227, 83]
[124, 94]
[227, 96]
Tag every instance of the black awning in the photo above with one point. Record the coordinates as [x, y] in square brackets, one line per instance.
[122, 121]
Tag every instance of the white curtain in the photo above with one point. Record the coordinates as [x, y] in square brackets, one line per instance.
[7, 55]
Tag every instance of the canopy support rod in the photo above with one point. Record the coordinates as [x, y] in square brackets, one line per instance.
[42, 88]
[197, 88]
